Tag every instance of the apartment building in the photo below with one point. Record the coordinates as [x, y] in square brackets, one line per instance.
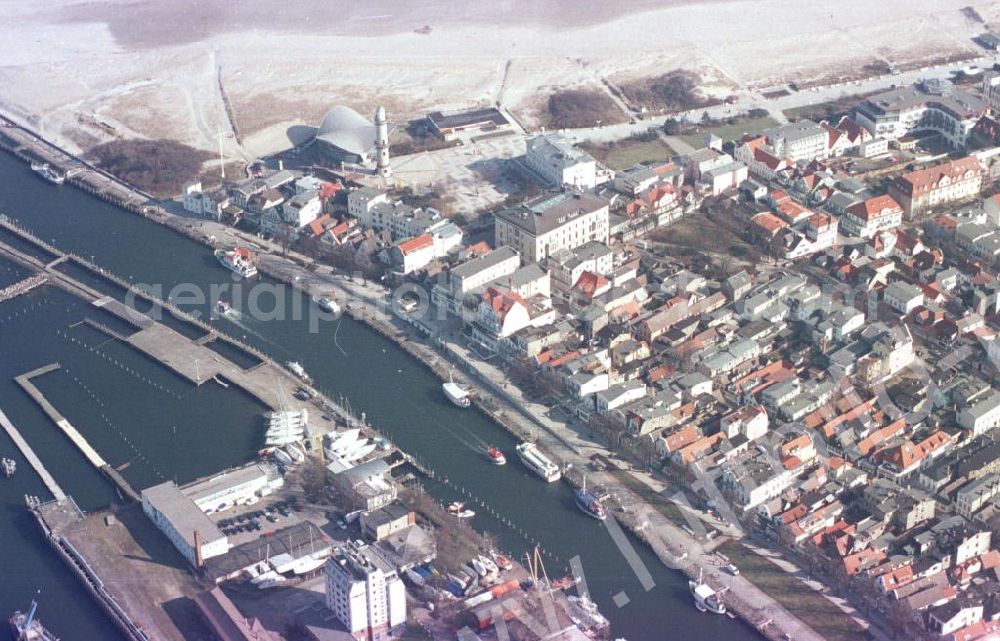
[559, 163]
[929, 106]
[801, 140]
[365, 594]
[920, 191]
[553, 222]
[869, 217]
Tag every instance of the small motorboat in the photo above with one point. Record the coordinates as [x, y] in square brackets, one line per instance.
[495, 455]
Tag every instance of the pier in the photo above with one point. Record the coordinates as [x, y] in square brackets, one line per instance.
[22, 287]
[31, 457]
[24, 380]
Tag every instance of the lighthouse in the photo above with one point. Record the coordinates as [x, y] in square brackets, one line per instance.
[382, 143]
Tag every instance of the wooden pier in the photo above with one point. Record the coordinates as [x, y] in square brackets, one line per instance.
[31, 457]
[22, 287]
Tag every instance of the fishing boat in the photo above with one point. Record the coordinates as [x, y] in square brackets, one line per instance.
[27, 628]
[705, 598]
[46, 171]
[8, 466]
[589, 503]
[496, 456]
[327, 304]
[238, 260]
[538, 463]
[502, 561]
[455, 393]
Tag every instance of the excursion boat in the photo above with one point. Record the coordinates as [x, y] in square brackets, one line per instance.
[588, 502]
[456, 394]
[238, 260]
[496, 456]
[46, 171]
[538, 463]
[327, 304]
[27, 628]
[705, 598]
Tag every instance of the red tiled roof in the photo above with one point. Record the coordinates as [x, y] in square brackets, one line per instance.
[768, 222]
[924, 180]
[416, 244]
[590, 283]
[875, 207]
[502, 301]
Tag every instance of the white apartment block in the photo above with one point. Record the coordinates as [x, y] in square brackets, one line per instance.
[981, 416]
[365, 594]
[803, 140]
[554, 158]
[869, 217]
[551, 223]
[931, 105]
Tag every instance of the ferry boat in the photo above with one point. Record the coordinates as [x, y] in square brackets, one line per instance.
[46, 171]
[8, 466]
[538, 463]
[496, 456]
[27, 628]
[327, 304]
[238, 260]
[589, 503]
[456, 394]
[705, 598]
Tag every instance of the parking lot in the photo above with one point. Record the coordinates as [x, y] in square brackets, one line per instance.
[245, 523]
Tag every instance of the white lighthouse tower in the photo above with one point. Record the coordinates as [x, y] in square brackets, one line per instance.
[382, 143]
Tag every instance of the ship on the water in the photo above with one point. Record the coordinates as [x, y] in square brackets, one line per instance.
[496, 456]
[46, 171]
[588, 502]
[705, 598]
[27, 628]
[327, 304]
[456, 394]
[238, 260]
[8, 466]
[538, 463]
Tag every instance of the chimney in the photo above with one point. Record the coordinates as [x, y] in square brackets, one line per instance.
[198, 561]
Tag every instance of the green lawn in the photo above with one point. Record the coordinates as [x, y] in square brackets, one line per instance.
[822, 110]
[729, 132]
[812, 608]
[622, 154]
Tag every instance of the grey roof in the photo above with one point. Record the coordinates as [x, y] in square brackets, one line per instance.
[476, 265]
[793, 131]
[550, 211]
[956, 101]
[348, 130]
[525, 275]
[556, 147]
[183, 514]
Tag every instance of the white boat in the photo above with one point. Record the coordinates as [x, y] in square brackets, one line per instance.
[538, 463]
[488, 563]
[238, 260]
[269, 580]
[282, 457]
[297, 455]
[456, 394]
[327, 304]
[46, 171]
[298, 370]
[340, 444]
[705, 598]
[8, 466]
[478, 566]
[362, 450]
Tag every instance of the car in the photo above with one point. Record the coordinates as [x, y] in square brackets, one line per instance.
[272, 519]
[732, 569]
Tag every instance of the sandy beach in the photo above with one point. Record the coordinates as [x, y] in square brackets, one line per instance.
[86, 72]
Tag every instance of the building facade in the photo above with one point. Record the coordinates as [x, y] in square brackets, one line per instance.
[553, 222]
[365, 594]
[920, 191]
[554, 158]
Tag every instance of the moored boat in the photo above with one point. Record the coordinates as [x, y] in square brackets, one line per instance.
[46, 171]
[327, 304]
[538, 463]
[27, 628]
[238, 260]
[8, 466]
[589, 503]
[223, 307]
[705, 598]
[496, 456]
[298, 370]
[456, 394]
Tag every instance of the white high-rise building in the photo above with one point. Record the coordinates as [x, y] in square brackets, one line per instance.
[365, 594]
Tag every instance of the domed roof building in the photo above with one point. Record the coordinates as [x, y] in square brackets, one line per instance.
[347, 136]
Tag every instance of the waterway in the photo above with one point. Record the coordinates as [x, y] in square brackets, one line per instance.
[137, 414]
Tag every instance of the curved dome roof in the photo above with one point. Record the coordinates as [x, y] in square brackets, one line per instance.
[348, 130]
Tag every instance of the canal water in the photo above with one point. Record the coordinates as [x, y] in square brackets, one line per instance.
[140, 416]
